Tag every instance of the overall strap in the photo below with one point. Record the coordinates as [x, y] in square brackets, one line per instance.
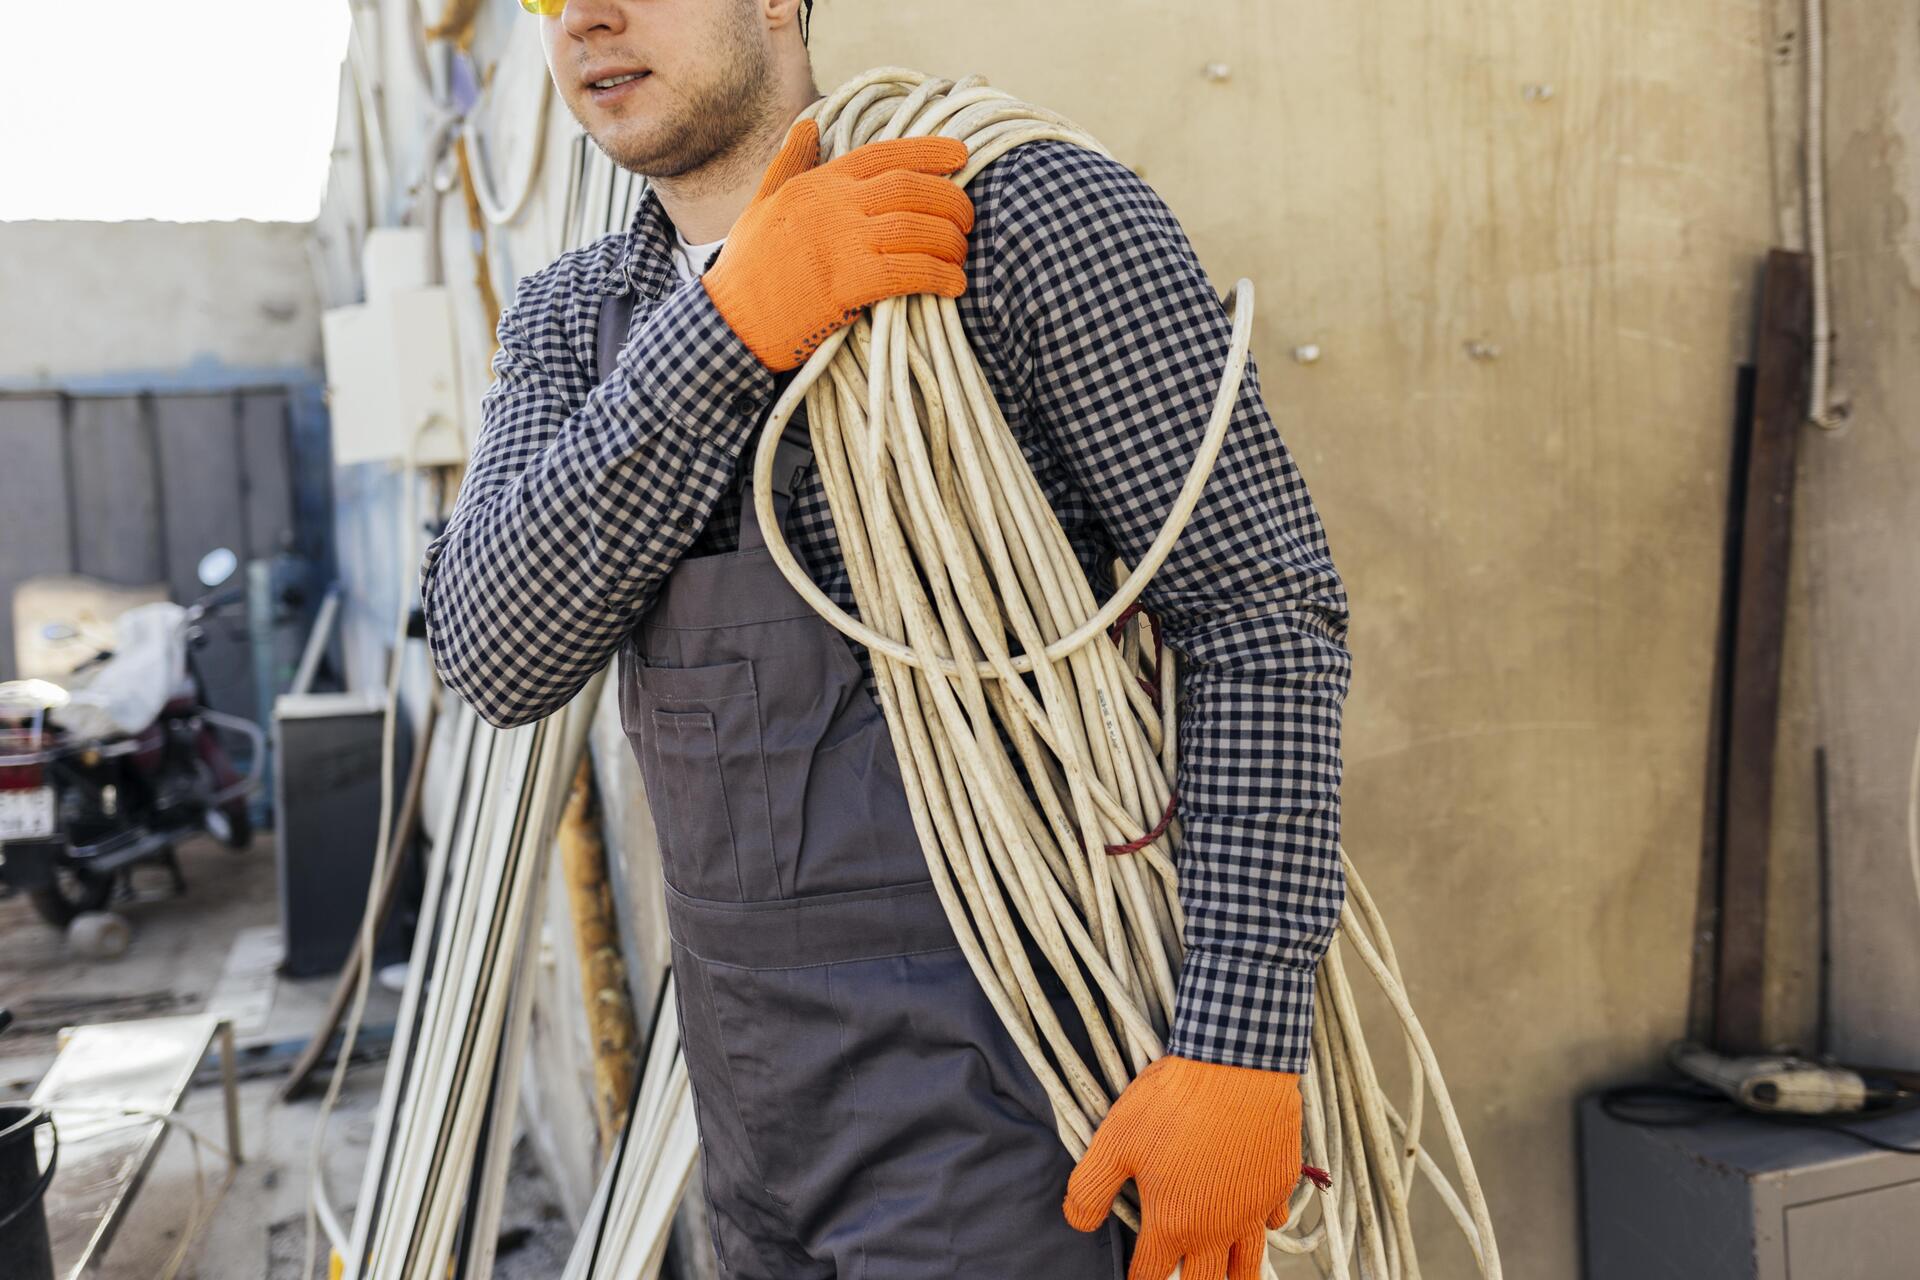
[616, 316]
[792, 459]
[790, 464]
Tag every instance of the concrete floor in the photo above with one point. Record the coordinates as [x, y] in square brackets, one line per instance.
[183, 947]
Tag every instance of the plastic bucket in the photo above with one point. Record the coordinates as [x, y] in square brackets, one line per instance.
[25, 1253]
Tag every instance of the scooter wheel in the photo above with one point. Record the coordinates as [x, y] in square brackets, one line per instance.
[231, 825]
[69, 893]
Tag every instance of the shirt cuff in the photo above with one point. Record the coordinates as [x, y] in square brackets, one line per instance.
[696, 368]
[1243, 1013]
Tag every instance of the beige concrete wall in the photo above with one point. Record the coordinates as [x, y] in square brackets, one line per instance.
[1531, 541]
[82, 299]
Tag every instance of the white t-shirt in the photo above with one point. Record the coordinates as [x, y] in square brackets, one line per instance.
[691, 259]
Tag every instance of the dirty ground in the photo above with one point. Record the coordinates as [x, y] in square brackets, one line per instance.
[215, 947]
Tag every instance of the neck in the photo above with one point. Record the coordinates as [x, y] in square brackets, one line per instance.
[704, 203]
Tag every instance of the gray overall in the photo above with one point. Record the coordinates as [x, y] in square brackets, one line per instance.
[862, 1113]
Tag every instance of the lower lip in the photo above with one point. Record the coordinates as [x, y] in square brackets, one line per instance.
[606, 97]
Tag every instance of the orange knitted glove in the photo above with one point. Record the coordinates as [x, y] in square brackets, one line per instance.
[817, 245]
[1215, 1151]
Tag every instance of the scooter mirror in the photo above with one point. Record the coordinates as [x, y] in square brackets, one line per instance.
[57, 632]
[217, 566]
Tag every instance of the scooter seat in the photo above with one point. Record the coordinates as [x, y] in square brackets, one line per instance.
[22, 699]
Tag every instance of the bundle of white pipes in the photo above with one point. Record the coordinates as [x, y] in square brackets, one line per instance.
[448, 1105]
[980, 621]
[625, 1233]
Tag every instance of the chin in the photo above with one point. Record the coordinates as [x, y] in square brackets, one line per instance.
[630, 145]
[648, 155]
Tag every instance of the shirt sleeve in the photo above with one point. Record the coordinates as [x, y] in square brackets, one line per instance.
[580, 498]
[1121, 341]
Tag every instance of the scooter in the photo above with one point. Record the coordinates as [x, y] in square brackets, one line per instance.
[112, 767]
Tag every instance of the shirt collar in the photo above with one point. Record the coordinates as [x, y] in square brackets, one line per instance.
[643, 256]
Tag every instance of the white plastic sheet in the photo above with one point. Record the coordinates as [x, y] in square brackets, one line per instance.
[126, 693]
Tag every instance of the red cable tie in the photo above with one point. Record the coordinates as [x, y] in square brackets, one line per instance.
[1114, 633]
[1152, 689]
[1160, 829]
[1120, 623]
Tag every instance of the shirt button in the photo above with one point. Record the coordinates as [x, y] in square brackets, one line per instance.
[684, 520]
[746, 404]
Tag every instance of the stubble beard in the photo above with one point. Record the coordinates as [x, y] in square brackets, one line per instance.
[707, 125]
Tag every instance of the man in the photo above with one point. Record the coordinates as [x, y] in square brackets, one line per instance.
[862, 1112]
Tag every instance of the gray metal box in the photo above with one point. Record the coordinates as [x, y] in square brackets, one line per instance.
[326, 817]
[1741, 1198]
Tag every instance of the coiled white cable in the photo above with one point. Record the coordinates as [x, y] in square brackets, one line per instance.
[952, 549]
[499, 211]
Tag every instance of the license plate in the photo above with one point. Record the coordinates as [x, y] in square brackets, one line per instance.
[26, 815]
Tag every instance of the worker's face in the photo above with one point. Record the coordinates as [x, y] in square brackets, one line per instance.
[709, 77]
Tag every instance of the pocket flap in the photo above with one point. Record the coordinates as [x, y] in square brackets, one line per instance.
[696, 684]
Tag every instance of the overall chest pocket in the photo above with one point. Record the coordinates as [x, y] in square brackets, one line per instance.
[696, 734]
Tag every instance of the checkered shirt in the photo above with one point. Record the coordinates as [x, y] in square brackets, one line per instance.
[1104, 342]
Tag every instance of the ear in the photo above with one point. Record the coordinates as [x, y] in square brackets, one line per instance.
[780, 13]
